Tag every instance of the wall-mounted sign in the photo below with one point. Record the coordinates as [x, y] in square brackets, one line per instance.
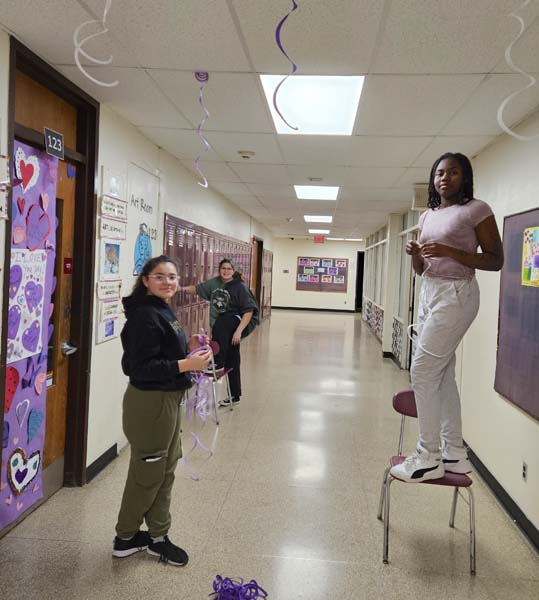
[112, 229]
[114, 208]
[109, 290]
[315, 274]
[319, 239]
[54, 143]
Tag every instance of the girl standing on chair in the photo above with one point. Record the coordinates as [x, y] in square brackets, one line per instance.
[233, 316]
[155, 360]
[450, 232]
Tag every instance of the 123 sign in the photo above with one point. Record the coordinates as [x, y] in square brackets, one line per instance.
[54, 143]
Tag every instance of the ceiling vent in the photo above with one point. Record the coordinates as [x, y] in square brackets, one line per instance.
[421, 196]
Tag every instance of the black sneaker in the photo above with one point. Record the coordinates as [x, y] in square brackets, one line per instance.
[168, 552]
[226, 401]
[122, 548]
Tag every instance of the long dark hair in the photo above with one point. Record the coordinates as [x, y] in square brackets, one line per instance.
[466, 192]
[237, 274]
[139, 289]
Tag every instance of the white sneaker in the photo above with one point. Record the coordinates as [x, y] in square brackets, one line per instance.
[455, 460]
[420, 466]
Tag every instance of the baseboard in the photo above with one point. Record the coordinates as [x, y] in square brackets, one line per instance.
[313, 309]
[516, 514]
[100, 463]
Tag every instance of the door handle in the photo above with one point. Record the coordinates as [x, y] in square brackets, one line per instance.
[68, 348]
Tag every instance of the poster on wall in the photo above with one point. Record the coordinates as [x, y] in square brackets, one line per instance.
[142, 216]
[315, 274]
[31, 284]
[517, 357]
[530, 257]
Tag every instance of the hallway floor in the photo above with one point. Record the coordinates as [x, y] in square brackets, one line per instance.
[289, 497]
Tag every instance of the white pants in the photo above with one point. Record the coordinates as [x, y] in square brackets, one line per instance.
[446, 310]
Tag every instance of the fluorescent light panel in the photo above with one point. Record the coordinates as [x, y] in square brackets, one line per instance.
[316, 105]
[317, 219]
[332, 239]
[319, 231]
[316, 192]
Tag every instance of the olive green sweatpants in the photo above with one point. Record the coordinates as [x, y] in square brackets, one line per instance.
[151, 422]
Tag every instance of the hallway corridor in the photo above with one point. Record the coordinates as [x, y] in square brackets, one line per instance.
[289, 497]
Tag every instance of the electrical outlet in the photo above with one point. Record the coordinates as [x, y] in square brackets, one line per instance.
[524, 471]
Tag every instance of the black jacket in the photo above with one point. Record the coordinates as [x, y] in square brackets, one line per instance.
[241, 301]
[153, 342]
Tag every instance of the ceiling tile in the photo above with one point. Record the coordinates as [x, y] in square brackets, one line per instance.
[256, 173]
[316, 149]
[414, 175]
[326, 37]
[227, 145]
[412, 104]
[385, 151]
[213, 171]
[231, 189]
[265, 189]
[468, 145]
[182, 143]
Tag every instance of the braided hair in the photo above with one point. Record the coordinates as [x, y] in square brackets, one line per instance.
[466, 192]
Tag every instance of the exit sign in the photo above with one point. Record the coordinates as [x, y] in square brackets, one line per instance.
[319, 239]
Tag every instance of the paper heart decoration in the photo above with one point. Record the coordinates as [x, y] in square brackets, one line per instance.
[35, 418]
[27, 169]
[9, 501]
[3, 486]
[30, 337]
[12, 383]
[19, 505]
[33, 292]
[41, 378]
[38, 227]
[13, 321]
[15, 278]
[20, 471]
[19, 234]
[21, 409]
[21, 203]
[5, 435]
[51, 309]
[35, 488]
[15, 441]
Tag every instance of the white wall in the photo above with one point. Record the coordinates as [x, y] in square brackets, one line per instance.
[499, 433]
[286, 252]
[180, 195]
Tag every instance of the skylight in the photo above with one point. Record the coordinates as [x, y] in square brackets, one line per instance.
[316, 192]
[316, 105]
[317, 219]
[319, 231]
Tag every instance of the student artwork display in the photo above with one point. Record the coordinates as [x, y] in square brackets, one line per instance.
[143, 216]
[530, 257]
[322, 274]
[517, 375]
[31, 284]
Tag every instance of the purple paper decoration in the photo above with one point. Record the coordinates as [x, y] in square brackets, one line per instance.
[33, 293]
[5, 434]
[38, 227]
[15, 278]
[227, 588]
[71, 171]
[13, 321]
[35, 418]
[30, 336]
[202, 77]
[293, 67]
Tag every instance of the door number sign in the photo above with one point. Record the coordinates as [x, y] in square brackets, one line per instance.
[54, 143]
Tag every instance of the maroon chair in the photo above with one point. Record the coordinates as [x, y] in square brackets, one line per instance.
[404, 404]
[216, 376]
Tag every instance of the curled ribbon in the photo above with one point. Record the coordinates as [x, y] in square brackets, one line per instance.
[199, 404]
[202, 77]
[80, 43]
[532, 80]
[227, 588]
[293, 67]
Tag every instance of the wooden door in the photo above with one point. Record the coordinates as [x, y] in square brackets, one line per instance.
[36, 108]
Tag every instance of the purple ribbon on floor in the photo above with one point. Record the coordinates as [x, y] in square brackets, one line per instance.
[234, 589]
[293, 68]
[202, 77]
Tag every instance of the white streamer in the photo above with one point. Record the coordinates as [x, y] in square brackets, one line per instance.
[79, 50]
[532, 80]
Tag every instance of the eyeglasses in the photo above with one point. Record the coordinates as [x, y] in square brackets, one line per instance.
[163, 278]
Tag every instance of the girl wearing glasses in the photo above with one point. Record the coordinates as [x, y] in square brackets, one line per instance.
[155, 360]
[233, 316]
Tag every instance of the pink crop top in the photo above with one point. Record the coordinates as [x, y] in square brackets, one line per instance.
[453, 226]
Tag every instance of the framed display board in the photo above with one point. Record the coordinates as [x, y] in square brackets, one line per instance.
[315, 274]
[517, 359]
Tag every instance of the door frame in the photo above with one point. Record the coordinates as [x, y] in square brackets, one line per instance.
[86, 159]
[259, 249]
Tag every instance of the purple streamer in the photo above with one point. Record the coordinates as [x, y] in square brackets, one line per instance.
[293, 68]
[228, 588]
[202, 77]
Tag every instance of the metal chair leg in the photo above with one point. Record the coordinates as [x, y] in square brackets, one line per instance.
[229, 393]
[454, 507]
[472, 530]
[382, 494]
[214, 392]
[386, 518]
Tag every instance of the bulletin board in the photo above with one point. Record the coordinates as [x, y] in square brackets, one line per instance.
[517, 360]
[315, 274]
